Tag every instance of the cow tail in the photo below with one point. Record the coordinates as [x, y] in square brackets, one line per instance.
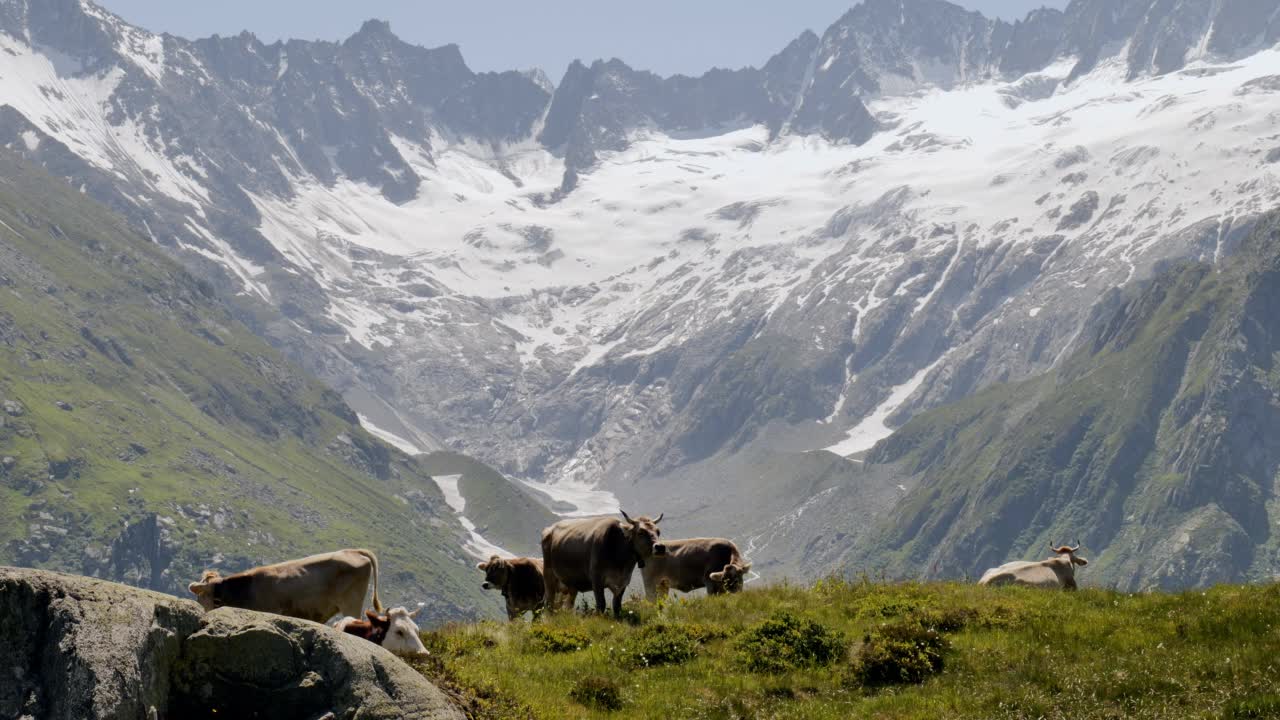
[377, 601]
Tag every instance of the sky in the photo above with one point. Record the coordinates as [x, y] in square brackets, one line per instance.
[664, 36]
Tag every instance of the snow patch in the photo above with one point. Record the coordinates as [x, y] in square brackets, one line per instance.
[475, 546]
[389, 437]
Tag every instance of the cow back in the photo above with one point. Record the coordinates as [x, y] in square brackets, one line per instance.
[572, 548]
[304, 588]
[688, 562]
[525, 584]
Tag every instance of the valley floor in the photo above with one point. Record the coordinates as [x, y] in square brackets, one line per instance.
[859, 649]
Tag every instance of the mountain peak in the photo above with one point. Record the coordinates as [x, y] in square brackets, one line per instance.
[375, 29]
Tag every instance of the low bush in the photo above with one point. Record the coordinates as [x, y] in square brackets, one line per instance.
[786, 642]
[904, 652]
[597, 693]
[543, 638]
[1257, 706]
[663, 644]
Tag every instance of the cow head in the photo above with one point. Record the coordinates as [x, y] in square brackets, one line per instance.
[1067, 562]
[1070, 552]
[496, 571]
[643, 534]
[732, 576]
[204, 590]
[403, 637]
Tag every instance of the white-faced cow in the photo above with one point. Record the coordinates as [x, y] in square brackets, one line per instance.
[520, 581]
[711, 563]
[597, 554]
[1056, 572]
[314, 588]
[396, 631]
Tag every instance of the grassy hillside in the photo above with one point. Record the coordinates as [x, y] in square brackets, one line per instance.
[503, 512]
[1157, 444]
[148, 435]
[864, 650]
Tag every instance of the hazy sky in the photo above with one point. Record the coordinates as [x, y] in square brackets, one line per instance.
[665, 36]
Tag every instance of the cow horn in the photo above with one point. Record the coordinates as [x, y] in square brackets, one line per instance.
[626, 516]
[655, 522]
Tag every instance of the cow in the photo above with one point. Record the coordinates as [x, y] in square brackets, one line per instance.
[313, 588]
[597, 554]
[711, 563]
[1056, 572]
[519, 579]
[396, 631]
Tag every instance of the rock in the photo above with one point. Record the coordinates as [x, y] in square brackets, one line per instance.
[64, 406]
[78, 647]
[14, 408]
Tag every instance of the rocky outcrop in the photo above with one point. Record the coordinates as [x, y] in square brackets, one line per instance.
[79, 648]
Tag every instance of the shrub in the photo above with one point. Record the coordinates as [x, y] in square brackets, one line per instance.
[946, 621]
[663, 644]
[597, 693]
[554, 640]
[1258, 706]
[785, 642]
[904, 652]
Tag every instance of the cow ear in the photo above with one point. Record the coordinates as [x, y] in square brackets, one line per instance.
[482, 566]
[717, 576]
[198, 588]
[414, 615]
[371, 614]
[746, 568]
[1079, 560]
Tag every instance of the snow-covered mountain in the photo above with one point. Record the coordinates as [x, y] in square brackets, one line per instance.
[650, 286]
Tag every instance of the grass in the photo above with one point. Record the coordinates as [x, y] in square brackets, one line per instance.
[903, 651]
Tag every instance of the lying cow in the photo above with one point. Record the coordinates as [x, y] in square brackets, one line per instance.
[711, 563]
[314, 588]
[597, 554]
[1056, 572]
[396, 631]
[519, 579]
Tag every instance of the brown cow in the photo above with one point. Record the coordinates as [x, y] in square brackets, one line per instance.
[396, 631]
[711, 563]
[595, 554]
[314, 588]
[520, 580]
[1054, 573]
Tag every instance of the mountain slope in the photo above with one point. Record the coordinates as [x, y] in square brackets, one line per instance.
[146, 435]
[621, 281]
[1156, 444]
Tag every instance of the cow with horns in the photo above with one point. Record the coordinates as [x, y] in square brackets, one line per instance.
[1058, 572]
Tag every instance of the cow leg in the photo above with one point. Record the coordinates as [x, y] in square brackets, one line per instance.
[512, 612]
[551, 588]
[598, 590]
[617, 601]
[651, 587]
[713, 587]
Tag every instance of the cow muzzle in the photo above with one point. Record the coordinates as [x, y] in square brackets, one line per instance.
[486, 585]
[659, 550]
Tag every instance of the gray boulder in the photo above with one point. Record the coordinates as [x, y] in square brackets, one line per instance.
[78, 648]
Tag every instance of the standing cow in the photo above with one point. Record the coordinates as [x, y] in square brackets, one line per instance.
[711, 563]
[396, 631]
[595, 554]
[519, 579]
[314, 588]
[1054, 573]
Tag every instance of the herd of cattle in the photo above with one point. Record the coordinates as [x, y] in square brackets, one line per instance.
[578, 555]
